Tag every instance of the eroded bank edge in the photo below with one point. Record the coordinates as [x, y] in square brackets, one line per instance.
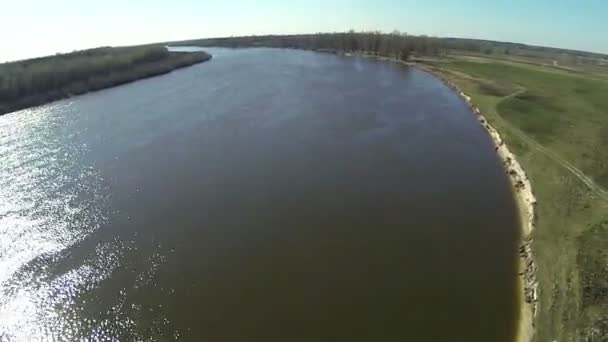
[526, 204]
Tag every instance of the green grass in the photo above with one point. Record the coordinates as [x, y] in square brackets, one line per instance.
[552, 118]
[564, 63]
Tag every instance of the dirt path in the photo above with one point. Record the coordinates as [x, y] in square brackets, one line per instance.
[594, 187]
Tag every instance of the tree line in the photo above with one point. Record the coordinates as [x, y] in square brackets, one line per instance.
[394, 44]
[35, 81]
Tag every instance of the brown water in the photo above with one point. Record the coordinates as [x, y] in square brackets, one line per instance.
[267, 195]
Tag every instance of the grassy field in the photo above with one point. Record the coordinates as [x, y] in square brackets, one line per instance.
[556, 121]
[563, 63]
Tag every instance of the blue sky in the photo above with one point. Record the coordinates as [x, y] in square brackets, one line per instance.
[31, 28]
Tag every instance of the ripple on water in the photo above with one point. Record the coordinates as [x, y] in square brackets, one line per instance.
[49, 202]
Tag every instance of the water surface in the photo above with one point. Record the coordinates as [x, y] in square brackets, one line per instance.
[267, 195]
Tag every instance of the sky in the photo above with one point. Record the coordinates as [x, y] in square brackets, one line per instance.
[32, 28]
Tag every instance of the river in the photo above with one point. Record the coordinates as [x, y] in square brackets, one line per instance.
[266, 195]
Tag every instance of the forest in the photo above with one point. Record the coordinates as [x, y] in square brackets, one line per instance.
[36, 81]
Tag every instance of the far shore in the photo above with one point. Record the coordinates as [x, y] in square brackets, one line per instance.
[41, 91]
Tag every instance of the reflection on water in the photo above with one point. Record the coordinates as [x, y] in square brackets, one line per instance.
[268, 195]
[48, 203]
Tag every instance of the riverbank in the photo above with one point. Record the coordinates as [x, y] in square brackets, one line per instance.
[526, 202]
[524, 197]
[555, 122]
[38, 81]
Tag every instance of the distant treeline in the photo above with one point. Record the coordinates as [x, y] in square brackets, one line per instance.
[36, 81]
[393, 44]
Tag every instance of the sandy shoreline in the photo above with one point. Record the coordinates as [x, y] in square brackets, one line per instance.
[526, 203]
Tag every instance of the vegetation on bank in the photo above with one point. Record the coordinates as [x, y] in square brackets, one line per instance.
[556, 122]
[36, 81]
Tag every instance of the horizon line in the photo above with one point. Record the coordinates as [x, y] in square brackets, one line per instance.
[603, 54]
